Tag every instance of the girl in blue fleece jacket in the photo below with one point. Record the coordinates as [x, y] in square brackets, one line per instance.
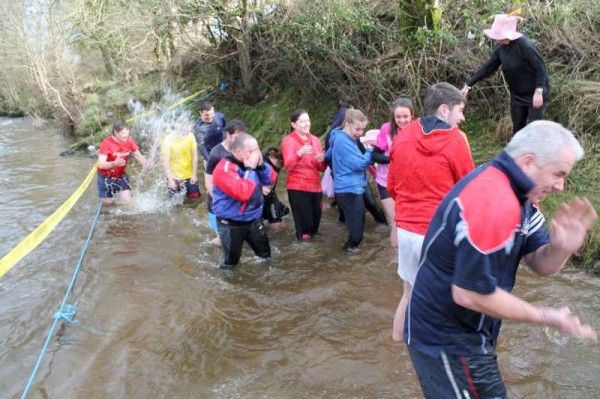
[349, 167]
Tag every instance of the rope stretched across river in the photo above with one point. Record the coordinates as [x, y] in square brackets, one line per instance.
[66, 311]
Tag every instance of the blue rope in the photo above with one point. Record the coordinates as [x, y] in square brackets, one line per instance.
[66, 312]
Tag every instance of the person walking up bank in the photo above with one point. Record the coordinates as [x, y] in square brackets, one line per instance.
[523, 68]
[112, 160]
[478, 235]
[238, 180]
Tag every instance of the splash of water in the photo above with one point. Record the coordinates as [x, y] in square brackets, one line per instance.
[151, 125]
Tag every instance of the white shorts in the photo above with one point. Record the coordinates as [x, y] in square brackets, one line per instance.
[409, 253]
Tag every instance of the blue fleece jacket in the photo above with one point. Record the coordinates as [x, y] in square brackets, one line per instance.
[348, 164]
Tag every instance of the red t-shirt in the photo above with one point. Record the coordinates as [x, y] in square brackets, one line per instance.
[113, 151]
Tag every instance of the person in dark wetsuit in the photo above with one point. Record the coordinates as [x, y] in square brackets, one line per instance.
[273, 209]
[523, 68]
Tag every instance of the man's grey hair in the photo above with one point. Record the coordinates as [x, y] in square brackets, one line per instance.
[238, 143]
[544, 140]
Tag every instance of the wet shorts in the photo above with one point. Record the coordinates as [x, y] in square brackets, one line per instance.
[108, 187]
[409, 253]
[458, 376]
[383, 192]
[191, 190]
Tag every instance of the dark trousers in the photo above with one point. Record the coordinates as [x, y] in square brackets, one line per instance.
[452, 376]
[233, 234]
[306, 209]
[353, 207]
[371, 205]
[521, 115]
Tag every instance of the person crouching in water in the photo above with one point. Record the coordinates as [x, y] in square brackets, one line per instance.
[238, 180]
[350, 180]
[273, 210]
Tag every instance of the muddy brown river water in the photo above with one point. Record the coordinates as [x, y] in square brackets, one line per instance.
[156, 319]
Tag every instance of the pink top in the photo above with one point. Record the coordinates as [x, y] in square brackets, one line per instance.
[384, 143]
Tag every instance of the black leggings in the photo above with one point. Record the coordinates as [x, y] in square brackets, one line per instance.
[521, 115]
[353, 207]
[306, 209]
[233, 234]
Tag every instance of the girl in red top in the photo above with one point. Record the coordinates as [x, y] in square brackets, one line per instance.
[304, 159]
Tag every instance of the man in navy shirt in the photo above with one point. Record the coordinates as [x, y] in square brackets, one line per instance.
[478, 235]
[208, 129]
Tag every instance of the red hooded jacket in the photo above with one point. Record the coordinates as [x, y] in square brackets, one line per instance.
[425, 163]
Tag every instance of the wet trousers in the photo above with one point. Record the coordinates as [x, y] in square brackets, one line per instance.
[353, 207]
[306, 209]
[233, 234]
[371, 205]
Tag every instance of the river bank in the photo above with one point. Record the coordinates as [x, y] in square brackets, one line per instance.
[156, 319]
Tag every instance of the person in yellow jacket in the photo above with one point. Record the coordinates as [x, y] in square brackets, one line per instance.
[180, 160]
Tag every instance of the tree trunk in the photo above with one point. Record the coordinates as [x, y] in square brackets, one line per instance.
[109, 63]
[244, 58]
[416, 14]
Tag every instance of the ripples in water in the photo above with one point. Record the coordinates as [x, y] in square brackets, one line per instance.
[156, 318]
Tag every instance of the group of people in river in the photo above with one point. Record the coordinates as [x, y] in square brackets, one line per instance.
[460, 231]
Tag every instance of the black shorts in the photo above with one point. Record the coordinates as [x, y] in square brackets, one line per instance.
[108, 187]
[383, 192]
[191, 190]
[458, 376]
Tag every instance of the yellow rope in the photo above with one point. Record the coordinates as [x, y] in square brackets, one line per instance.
[43, 230]
[38, 235]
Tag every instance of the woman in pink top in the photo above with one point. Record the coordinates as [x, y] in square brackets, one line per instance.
[304, 159]
[402, 115]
